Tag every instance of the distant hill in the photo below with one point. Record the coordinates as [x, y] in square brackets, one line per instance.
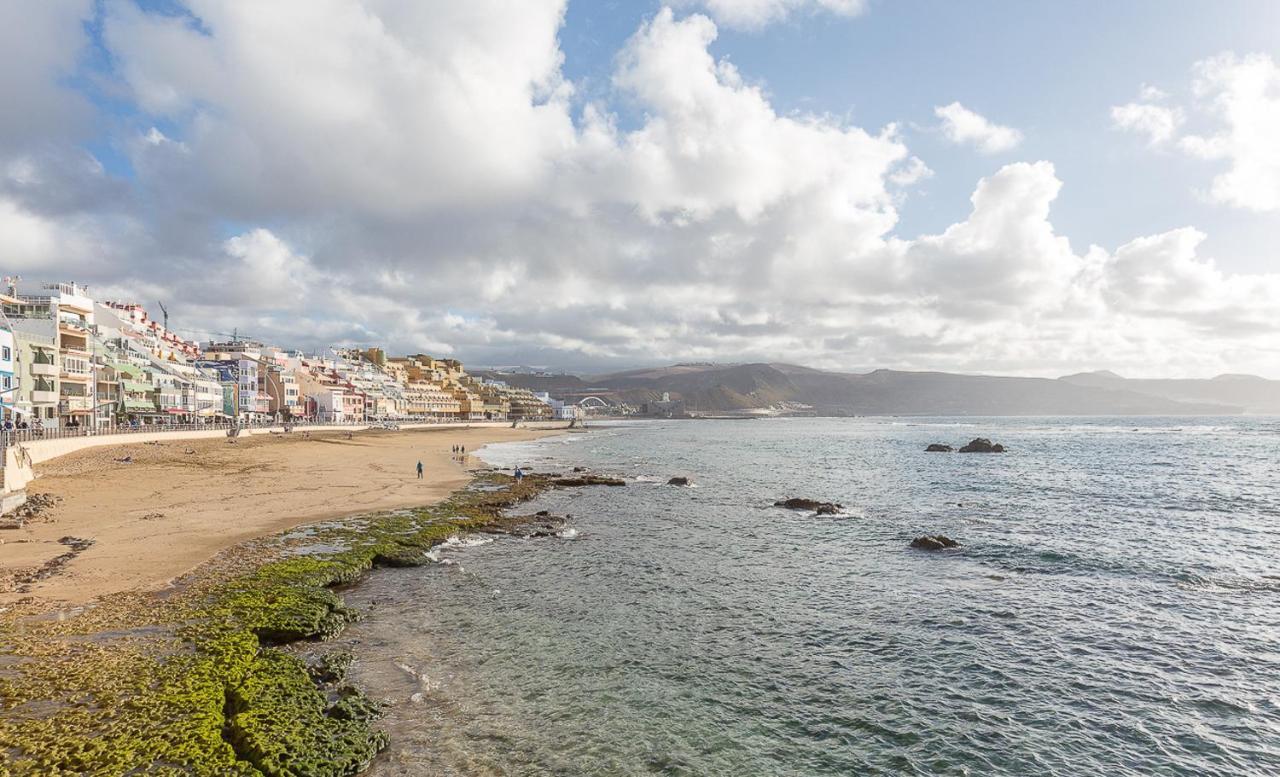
[721, 388]
[1248, 392]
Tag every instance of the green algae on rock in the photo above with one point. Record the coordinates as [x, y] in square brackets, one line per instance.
[197, 683]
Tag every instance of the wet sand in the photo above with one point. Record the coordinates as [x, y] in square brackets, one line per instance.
[176, 504]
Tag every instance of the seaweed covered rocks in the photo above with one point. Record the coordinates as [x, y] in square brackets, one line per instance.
[207, 680]
[540, 524]
[585, 480]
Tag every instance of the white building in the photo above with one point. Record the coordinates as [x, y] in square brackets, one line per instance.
[327, 404]
[560, 411]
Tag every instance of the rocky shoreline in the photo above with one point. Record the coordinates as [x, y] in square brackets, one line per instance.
[205, 679]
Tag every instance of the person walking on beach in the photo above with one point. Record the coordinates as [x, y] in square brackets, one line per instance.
[419, 470]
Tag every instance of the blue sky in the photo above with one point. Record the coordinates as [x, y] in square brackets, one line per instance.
[1053, 69]
[1026, 187]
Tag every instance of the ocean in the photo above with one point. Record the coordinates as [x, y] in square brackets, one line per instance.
[1114, 607]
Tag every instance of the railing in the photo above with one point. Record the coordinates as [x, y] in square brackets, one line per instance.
[17, 436]
[75, 403]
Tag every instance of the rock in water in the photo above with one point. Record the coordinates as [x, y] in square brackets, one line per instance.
[540, 524]
[938, 447]
[587, 480]
[982, 445]
[678, 482]
[933, 542]
[821, 508]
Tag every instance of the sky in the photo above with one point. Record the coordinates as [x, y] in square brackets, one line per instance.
[1032, 188]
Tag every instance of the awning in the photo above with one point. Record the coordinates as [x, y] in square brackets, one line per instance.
[133, 385]
[138, 404]
[126, 369]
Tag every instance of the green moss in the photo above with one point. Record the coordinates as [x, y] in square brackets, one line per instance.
[201, 688]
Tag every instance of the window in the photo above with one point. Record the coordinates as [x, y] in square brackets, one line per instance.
[6, 354]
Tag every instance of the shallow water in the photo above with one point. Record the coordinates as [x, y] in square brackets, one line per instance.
[1113, 609]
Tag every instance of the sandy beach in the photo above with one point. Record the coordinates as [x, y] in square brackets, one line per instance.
[155, 511]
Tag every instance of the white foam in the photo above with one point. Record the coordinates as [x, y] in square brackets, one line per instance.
[456, 542]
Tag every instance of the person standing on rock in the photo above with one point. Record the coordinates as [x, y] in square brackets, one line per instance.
[419, 470]
[519, 475]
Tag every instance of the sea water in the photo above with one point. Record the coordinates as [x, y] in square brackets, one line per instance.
[1114, 608]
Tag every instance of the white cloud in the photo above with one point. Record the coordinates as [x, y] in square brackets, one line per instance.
[1158, 123]
[265, 272]
[420, 174]
[756, 14]
[711, 141]
[391, 106]
[1240, 94]
[1244, 94]
[962, 126]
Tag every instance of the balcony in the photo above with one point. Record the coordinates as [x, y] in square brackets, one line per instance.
[75, 404]
[75, 375]
[46, 369]
[39, 397]
[73, 326]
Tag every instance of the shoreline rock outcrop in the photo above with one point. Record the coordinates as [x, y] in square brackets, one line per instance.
[678, 481]
[938, 447]
[540, 524]
[586, 480]
[982, 445]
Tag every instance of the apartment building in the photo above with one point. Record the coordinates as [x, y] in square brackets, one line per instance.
[8, 374]
[243, 362]
[56, 325]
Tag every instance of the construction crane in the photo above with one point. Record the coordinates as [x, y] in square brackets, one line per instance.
[164, 311]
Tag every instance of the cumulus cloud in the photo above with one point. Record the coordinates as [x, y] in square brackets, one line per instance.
[756, 14]
[387, 107]
[1243, 93]
[1158, 123]
[711, 141]
[1242, 96]
[964, 127]
[422, 175]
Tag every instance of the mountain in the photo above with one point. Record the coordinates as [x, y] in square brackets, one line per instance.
[722, 388]
[1248, 392]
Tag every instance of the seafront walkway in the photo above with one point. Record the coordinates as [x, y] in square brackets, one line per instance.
[25, 448]
[17, 436]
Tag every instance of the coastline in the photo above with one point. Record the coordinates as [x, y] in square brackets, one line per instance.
[198, 676]
[155, 511]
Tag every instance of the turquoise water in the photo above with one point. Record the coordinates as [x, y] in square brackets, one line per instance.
[1114, 609]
